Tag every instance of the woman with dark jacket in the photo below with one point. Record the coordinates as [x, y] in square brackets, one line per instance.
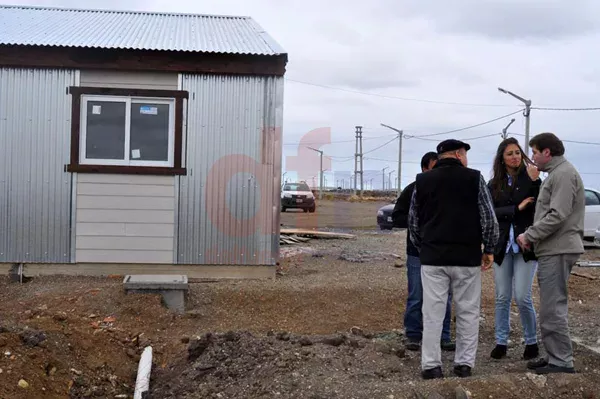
[514, 187]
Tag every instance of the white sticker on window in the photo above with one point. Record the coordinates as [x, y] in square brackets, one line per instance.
[135, 154]
[146, 110]
[96, 109]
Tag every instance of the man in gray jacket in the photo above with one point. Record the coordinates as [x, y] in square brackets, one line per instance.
[557, 239]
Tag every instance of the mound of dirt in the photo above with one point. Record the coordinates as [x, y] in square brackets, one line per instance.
[239, 364]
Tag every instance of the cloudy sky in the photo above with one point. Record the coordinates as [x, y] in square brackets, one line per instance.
[424, 67]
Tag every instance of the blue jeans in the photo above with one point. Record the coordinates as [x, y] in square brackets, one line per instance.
[413, 317]
[514, 271]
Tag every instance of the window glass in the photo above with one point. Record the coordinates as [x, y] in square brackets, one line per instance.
[591, 198]
[296, 187]
[149, 135]
[105, 130]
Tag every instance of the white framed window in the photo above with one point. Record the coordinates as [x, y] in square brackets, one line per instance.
[127, 131]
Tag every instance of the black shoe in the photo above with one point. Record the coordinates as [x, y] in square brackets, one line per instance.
[413, 345]
[462, 371]
[432, 374]
[499, 352]
[448, 346]
[531, 352]
[536, 364]
[551, 369]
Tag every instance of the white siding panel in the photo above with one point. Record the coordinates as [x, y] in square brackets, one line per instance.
[125, 243]
[126, 203]
[125, 190]
[126, 179]
[150, 230]
[101, 229]
[125, 219]
[119, 216]
[129, 80]
[116, 256]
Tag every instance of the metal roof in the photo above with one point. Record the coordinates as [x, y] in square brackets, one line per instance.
[106, 29]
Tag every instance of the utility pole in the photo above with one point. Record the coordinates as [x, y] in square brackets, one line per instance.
[390, 179]
[526, 113]
[400, 136]
[356, 162]
[383, 175]
[505, 130]
[359, 133]
[320, 171]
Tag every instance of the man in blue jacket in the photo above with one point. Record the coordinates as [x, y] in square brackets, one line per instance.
[413, 316]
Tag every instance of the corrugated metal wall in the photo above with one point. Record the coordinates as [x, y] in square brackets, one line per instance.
[35, 192]
[229, 201]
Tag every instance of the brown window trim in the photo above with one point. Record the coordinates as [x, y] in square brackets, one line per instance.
[75, 166]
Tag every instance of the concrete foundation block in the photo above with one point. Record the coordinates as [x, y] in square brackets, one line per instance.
[172, 288]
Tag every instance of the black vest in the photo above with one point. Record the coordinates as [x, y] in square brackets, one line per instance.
[448, 211]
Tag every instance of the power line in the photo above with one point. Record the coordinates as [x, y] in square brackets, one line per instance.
[341, 141]
[396, 97]
[566, 109]
[437, 101]
[467, 127]
[566, 141]
[383, 145]
[466, 138]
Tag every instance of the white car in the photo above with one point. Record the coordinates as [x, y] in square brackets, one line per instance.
[592, 214]
[298, 196]
[597, 239]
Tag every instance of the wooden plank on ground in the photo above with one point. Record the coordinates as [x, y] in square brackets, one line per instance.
[315, 234]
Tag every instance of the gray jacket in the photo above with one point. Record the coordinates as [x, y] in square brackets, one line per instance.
[559, 212]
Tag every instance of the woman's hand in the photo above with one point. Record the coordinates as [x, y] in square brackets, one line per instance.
[533, 172]
[525, 203]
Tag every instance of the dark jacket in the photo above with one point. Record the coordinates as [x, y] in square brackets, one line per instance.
[453, 215]
[506, 206]
[400, 216]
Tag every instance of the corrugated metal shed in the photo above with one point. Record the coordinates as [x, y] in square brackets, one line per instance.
[43, 26]
[229, 200]
[35, 190]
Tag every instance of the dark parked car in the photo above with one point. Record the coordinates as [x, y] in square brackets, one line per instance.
[384, 217]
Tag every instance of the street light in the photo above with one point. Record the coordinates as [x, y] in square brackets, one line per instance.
[526, 114]
[505, 130]
[390, 179]
[400, 136]
[321, 171]
[383, 176]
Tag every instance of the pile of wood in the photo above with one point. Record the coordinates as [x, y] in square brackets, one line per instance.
[297, 236]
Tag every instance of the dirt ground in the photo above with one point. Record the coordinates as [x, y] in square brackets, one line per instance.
[329, 326]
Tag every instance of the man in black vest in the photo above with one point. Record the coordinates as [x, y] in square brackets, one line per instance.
[451, 217]
[413, 315]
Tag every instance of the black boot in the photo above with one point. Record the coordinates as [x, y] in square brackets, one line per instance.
[499, 352]
[531, 352]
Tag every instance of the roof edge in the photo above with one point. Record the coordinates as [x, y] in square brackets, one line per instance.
[101, 48]
[106, 10]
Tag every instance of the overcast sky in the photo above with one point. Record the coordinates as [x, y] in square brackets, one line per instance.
[439, 51]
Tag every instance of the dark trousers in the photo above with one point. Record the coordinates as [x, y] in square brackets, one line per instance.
[413, 316]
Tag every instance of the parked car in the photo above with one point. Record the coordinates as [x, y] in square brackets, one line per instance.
[297, 196]
[591, 223]
[384, 217]
[592, 214]
[597, 238]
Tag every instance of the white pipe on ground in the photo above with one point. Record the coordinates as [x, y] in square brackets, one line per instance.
[142, 383]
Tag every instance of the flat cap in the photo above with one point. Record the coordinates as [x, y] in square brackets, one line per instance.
[452, 145]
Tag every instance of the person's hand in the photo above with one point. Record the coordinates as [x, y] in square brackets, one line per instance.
[526, 202]
[487, 260]
[523, 242]
[533, 172]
